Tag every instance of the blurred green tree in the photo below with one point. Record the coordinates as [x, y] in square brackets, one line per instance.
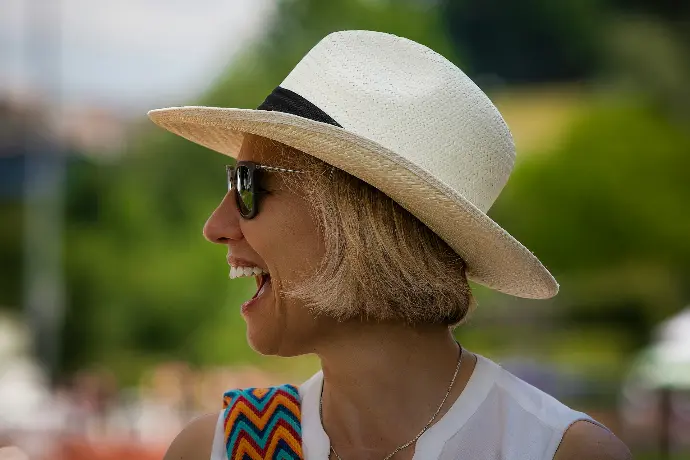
[531, 41]
[607, 210]
[636, 43]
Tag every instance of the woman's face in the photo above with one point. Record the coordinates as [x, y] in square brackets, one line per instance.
[283, 240]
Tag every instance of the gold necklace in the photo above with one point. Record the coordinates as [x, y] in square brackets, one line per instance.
[426, 427]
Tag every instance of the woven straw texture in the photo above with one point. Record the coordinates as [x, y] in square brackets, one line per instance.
[414, 126]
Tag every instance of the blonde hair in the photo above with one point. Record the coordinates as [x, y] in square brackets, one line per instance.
[381, 263]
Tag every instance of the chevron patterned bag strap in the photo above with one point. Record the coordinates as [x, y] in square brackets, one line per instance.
[263, 424]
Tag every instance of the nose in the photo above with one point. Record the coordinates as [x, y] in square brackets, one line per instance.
[224, 223]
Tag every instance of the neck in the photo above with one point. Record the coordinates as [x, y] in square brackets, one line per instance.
[383, 382]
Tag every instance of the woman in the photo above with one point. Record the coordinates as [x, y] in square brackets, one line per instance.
[358, 203]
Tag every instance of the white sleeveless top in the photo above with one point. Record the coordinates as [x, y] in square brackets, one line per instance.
[496, 417]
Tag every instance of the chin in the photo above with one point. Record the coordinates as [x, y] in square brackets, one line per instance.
[277, 340]
[280, 328]
[263, 341]
[269, 346]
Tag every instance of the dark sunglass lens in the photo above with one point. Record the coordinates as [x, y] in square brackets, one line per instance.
[245, 193]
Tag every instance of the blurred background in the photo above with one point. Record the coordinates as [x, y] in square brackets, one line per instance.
[117, 320]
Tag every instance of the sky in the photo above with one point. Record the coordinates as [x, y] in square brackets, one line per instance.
[125, 55]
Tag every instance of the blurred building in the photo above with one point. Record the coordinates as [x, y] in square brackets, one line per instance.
[655, 399]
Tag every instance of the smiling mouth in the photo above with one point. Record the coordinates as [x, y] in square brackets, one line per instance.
[261, 276]
[261, 281]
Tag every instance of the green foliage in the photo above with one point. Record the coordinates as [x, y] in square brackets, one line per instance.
[616, 192]
[607, 210]
[651, 58]
[141, 277]
[528, 41]
[10, 254]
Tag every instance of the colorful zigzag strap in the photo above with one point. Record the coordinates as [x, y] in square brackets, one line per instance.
[263, 423]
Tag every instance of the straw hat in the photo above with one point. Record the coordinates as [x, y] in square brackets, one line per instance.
[404, 119]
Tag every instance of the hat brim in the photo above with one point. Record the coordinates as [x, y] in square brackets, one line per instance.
[494, 258]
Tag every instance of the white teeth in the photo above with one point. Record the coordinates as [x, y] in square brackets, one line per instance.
[236, 272]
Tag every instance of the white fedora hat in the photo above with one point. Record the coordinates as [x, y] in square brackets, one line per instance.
[404, 119]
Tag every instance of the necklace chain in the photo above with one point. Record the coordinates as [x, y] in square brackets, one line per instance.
[426, 427]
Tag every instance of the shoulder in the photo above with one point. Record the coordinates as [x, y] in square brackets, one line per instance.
[586, 440]
[195, 441]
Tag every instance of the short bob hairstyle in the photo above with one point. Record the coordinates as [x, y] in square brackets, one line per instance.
[380, 263]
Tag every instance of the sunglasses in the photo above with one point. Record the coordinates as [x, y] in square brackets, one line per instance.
[244, 178]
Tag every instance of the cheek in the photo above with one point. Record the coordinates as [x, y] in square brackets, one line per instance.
[290, 241]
